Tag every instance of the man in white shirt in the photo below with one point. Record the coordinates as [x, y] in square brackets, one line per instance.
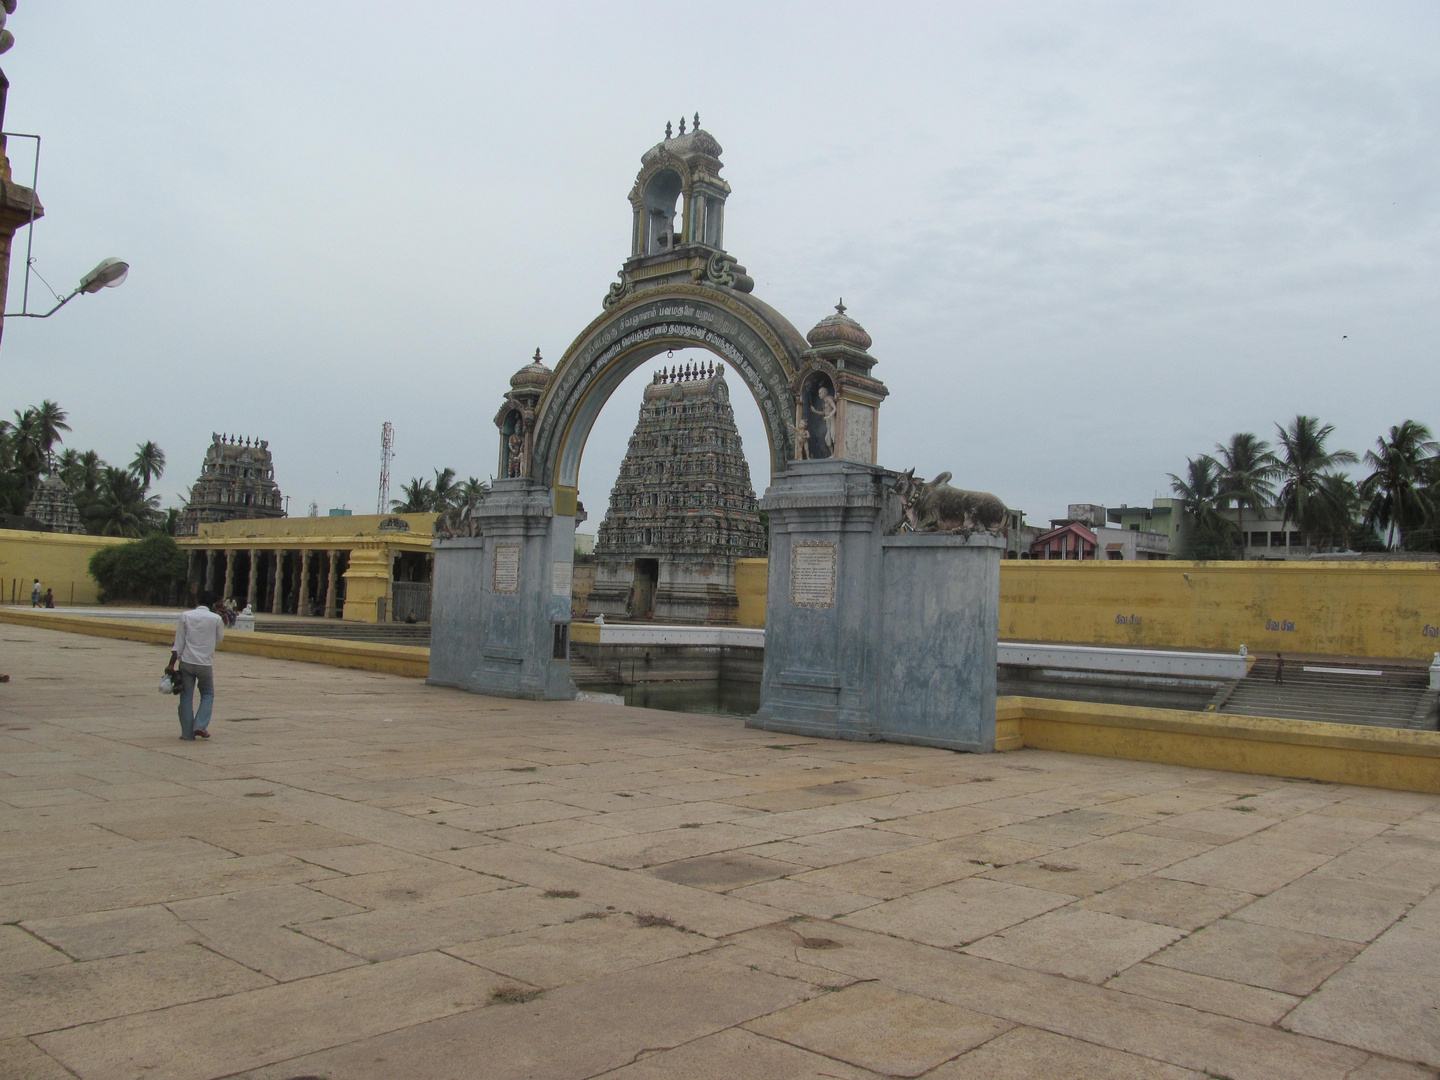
[196, 634]
[35, 593]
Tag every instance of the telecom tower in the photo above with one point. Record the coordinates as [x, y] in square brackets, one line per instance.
[387, 452]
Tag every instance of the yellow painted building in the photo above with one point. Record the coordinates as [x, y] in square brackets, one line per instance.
[60, 560]
[345, 567]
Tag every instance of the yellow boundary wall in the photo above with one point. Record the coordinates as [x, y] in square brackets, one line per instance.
[1389, 610]
[409, 660]
[1300, 749]
[60, 560]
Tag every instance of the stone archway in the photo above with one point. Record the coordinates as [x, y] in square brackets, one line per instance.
[759, 342]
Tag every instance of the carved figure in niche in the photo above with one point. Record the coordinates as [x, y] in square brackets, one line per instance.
[938, 507]
[827, 413]
[515, 463]
[815, 412]
[801, 432]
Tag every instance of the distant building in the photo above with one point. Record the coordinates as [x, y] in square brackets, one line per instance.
[1085, 534]
[682, 510]
[1267, 534]
[237, 480]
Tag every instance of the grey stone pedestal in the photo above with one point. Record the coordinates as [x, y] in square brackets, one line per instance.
[870, 636]
[500, 621]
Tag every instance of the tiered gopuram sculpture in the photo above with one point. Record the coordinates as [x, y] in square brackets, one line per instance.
[237, 480]
[682, 510]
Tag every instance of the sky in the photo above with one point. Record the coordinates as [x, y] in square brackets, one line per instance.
[1089, 240]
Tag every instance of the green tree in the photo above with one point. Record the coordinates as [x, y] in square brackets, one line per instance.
[446, 491]
[1305, 496]
[1245, 468]
[419, 497]
[148, 569]
[50, 422]
[472, 491]
[121, 507]
[1396, 494]
[149, 463]
[1210, 534]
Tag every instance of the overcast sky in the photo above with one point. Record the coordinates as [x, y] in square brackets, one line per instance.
[1089, 240]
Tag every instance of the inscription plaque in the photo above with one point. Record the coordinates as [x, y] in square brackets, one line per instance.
[812, 574]
[507, 568]
[562, 578]
[859, 432]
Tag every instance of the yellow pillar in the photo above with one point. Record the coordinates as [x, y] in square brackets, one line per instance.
[367, 580]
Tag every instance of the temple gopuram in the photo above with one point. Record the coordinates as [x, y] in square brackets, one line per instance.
[682, 510]
[237, 480]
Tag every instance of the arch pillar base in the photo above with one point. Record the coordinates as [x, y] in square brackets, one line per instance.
[499, 617]
[870, 636]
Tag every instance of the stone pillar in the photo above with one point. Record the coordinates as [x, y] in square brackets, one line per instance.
[302, 602]
[209, 582]
[192, 570]
[501, 601]
[277, 601]
[229, 574]
[869, 634]
[332, 585]
[252, 589]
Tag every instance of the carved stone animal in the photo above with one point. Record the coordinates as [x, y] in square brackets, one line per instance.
[458, 521]
[937, 507]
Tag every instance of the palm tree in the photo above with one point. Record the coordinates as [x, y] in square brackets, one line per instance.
[50, 421]
[1304, 495]
[472, 491]
[1199, 492]
[446, 490]
[149, 463]
[1396, 489]
[67, 467]
[122, 507]
[419, 497]
[26, 446]
[1246, 467]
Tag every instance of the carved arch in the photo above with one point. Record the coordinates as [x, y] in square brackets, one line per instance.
[755, 339]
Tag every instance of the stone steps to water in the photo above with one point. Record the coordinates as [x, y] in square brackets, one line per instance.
[1399, 698]
[378, 633]
[587, 674]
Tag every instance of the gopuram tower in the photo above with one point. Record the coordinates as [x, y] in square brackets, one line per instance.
[682, 510]
[237, 480]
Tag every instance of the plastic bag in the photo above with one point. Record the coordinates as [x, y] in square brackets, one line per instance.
[169, 683]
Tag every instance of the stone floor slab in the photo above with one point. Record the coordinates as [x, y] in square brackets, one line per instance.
[890, 1032]
[1077, 943]
[1030, 1053]
[1265, 956]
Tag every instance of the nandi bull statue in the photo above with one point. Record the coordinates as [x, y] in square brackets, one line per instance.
[938, 507]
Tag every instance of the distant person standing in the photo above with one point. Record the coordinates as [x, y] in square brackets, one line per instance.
[196, 634]
[35, 593]
[1279, 669]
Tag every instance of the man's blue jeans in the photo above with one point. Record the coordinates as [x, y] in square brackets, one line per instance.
[193, 720]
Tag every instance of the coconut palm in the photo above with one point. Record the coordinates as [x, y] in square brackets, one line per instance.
[26, 447]
[1199, 492]
[1395, 491]
[50, 422]
[419, 497]
[149, 463]
[122, 508]
[1305, 496]
[446, 490]
[472, 491]
[1246, 466]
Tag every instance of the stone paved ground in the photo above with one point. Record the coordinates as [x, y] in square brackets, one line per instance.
[364, 877]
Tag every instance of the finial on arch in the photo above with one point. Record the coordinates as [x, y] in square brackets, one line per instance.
[682, 125]
[668, 134]
[840, 307]
[537, 354]
[697, 121]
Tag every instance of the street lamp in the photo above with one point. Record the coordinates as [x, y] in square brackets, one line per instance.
[106, 275]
